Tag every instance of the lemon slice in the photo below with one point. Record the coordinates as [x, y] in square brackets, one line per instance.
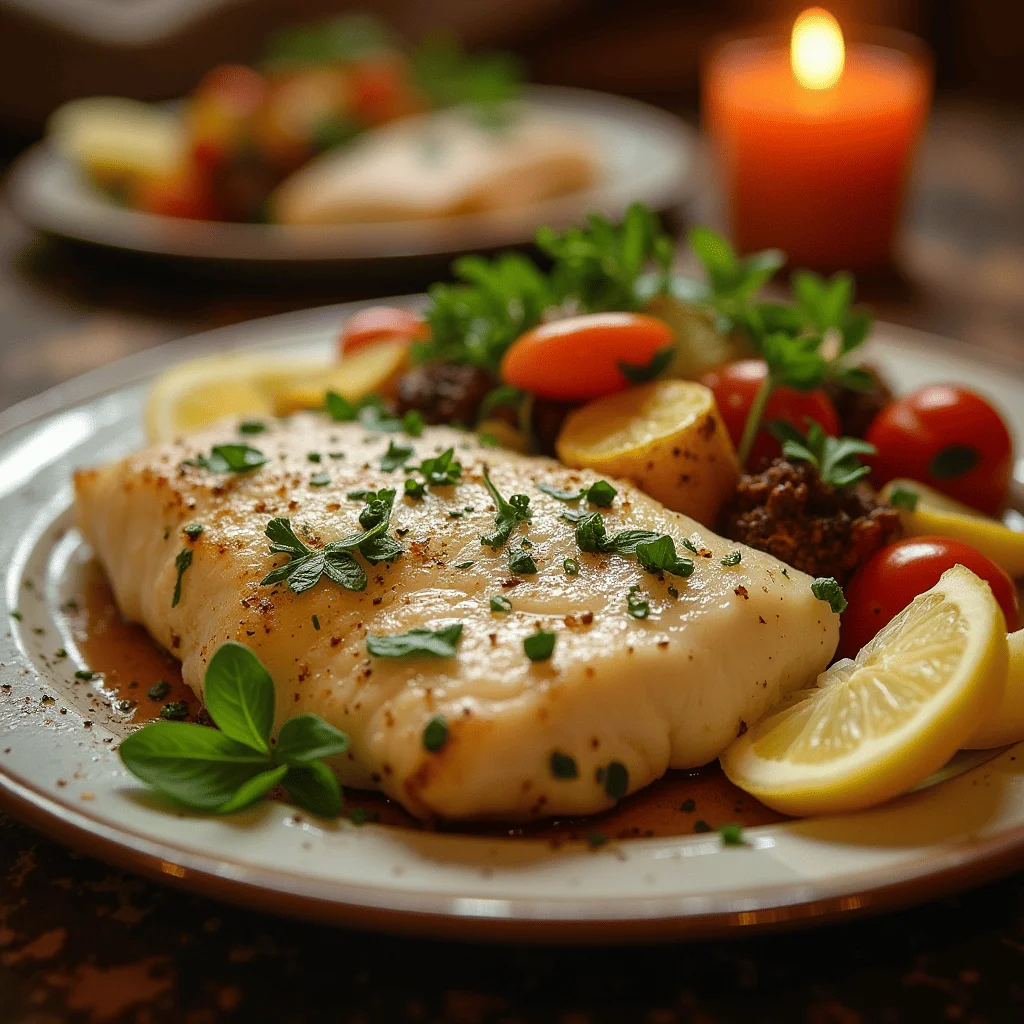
[198, 393]
[937, 515]
[1006, 725]
[667, 437]
[872, 728]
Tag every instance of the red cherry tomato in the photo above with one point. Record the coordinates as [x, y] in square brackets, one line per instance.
[578, 358]
[735, 386]
[377, 323]
[948, 438]
[888, 581]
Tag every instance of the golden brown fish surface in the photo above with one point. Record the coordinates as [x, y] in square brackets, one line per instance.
[669, 690]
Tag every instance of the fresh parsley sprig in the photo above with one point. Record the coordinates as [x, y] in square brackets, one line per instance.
[437, 643]
[509, 514]
[600, 493]
[656, 552]
[225, 769]
[229, 458]
[837, 459]
[372, 414]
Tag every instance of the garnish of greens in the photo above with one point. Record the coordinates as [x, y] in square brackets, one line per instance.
[510, 513]
[229, 458]
[372, 414]
[826, 588]
[225, 769]
[437, 643]
[637, 373]
[501, 604]
[441, 471]
[600, 493]
[539, 646]
[636, 605]
[904, 498]
[435, 734]
[181, 563]
[335, 560]
[395, 457]
[837, 459]
[656, 552]
[520, 561]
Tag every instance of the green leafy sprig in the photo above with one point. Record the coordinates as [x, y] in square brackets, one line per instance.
[837, 459]
[225, 769]
[510, 513]
[229, 458]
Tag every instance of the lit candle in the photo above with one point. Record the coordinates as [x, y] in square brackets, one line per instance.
[815, 146]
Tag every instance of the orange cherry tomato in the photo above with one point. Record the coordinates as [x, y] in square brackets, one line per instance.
[891, 578]
[949, 438]
[379, 323]
[186, 193]
[735, 386]
[580, 358]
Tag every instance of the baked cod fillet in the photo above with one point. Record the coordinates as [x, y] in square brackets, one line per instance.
[671, 690]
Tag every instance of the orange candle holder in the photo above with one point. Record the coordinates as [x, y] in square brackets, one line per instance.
[815, 141]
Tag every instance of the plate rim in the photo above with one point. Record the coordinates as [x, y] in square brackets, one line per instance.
[791, 904]
[267, 245]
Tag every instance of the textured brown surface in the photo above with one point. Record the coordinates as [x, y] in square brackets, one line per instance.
[79, 942]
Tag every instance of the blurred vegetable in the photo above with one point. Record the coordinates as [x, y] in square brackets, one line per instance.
[334, 41]
[376, 323]
[448, 75]
[588, 356]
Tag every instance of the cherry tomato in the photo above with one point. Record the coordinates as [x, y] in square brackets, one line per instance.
[949, 438]
[222, 112]
[379, 90]
[186, 193]
[377, 323]
[888, 581]
[580, 357]
[735, 386]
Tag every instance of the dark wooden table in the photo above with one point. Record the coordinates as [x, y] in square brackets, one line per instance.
[80, 942]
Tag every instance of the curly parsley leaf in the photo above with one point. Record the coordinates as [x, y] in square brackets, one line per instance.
[443, 470]
[826, 588]
[660, 556]
[520, 562]
[837, 459]
[437, 643]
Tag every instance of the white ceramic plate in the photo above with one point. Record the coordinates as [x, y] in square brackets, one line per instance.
[64, 777]
[648, 157]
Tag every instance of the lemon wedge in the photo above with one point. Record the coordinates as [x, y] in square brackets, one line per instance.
[1006, 725]
[872, 728]
[937, 515]
[198, 393]
[667, 437]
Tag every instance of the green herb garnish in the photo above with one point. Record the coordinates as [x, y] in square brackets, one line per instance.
[732, 834]
[193, 530]
[437, 643]
[826, 588]
[539, 646]
[227, 768]
[644, 373]
[510, 513]
[86, 674]
[520, 561]
[501, 604]
[319, 480]
[563, 766]
[837, 459]
[443, 470]
[415, 488]
[463, 565]
[229, 458]
[412, 423]
[157, 691]
[313, 456]
[316, 622]
[174, 711]
[397, 455]
[904, 498]
[571, 567]
[600, 493]
[732, 559]
[435, 734]
[636, 605]
[660, 556]
[252, 427]
[181, 564]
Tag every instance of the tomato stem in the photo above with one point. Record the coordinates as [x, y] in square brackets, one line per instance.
[754, 417]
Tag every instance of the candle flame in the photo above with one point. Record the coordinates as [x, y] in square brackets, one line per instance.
[817, 53]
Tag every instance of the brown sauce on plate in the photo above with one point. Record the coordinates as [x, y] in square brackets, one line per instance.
[681, 803]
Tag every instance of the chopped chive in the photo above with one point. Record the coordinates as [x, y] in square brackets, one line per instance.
[316, 622]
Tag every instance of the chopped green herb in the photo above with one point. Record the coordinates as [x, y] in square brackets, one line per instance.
[732, 834]
[826, 588]
[229, 458]
[174, 711]
[660, 556]
[60, 653]
[412, 423]
[539, 646]
[690, 546]
[509, 514]
[437, 643]
[396, 455]
[571, 567]
[463, 565]
[487, 440]
[520, 561]
[599, 493]
[563, 766]
[785, 572]
[616, 780]
[181, 564]
[636, 605]
[731, 559]
[252, 427]
[313, 456]
[501, 604]
[158, 690]
[84, 673]
[443, 470]
[319, 480]
[904, 498]
[415, 488]
[558, 494]
[837, 459]
[316, 622]
[456, 513]
[643, 374]
[435, 735]
[17, 616]
[362, 495]
[193, 530]
[672, 592]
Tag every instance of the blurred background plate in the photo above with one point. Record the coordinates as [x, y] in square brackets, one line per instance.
[648, 155]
